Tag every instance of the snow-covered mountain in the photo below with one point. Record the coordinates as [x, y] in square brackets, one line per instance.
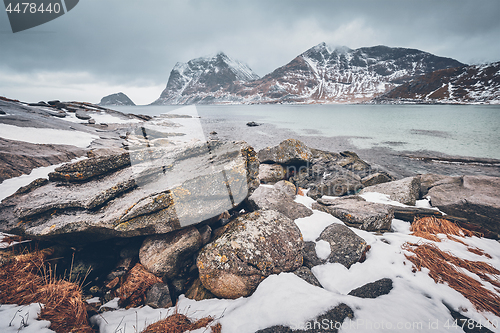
[116, 99]
[342, 75]
[466, 84]
[205, 80]
[319, 75]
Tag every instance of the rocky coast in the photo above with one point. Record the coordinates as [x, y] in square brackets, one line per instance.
[151, 216]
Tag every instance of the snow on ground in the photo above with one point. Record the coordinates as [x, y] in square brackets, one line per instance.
[47, 135]
[22, 318]
[414, 305]
[11, 185]
[384, 199]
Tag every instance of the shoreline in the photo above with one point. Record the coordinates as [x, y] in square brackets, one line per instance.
[401, 164]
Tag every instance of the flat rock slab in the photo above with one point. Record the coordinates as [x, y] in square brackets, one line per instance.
[356, 212]
[476, 198]
[156, 191]
[405, 191]
[18, 157]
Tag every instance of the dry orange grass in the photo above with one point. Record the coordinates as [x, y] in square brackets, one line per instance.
[428, 227]
[133, 290]
[479, 252]
[26, 279]
[443, 267]
[179, 323]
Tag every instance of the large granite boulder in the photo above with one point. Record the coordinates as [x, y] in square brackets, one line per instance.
[475, 198]
[287, 152]
[356, 212]
[147, 191]
[279, 198]
[346, 247]
[167, 256]
[253, 247]
[405, 191]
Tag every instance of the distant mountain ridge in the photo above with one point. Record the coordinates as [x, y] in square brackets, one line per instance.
[321, 74]
[466, 84]
[116, 99]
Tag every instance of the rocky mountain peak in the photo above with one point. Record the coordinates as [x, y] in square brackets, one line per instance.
[196, 80]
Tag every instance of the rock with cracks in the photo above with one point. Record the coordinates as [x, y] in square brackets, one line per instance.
[254, 246]
[146, 191]
[356, 212]
[279, 198]
[476, 198]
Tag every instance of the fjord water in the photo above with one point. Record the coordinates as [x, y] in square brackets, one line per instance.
[459, 130]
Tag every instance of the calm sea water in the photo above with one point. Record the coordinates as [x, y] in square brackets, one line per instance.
[463, 130]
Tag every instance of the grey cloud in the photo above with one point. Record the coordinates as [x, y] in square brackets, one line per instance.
[140, 41]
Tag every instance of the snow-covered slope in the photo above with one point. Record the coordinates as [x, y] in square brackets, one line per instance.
[205, 80]
[466, 84]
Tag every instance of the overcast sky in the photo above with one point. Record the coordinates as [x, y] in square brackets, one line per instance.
[106, 46]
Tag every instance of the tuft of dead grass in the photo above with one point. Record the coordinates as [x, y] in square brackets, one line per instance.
[443, 268]
[217, 328]
[429, 226]
[137, 281]
[479, 252]
[179, 323]
[27, 279]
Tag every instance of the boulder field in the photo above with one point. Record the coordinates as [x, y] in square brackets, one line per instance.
[214, 219]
